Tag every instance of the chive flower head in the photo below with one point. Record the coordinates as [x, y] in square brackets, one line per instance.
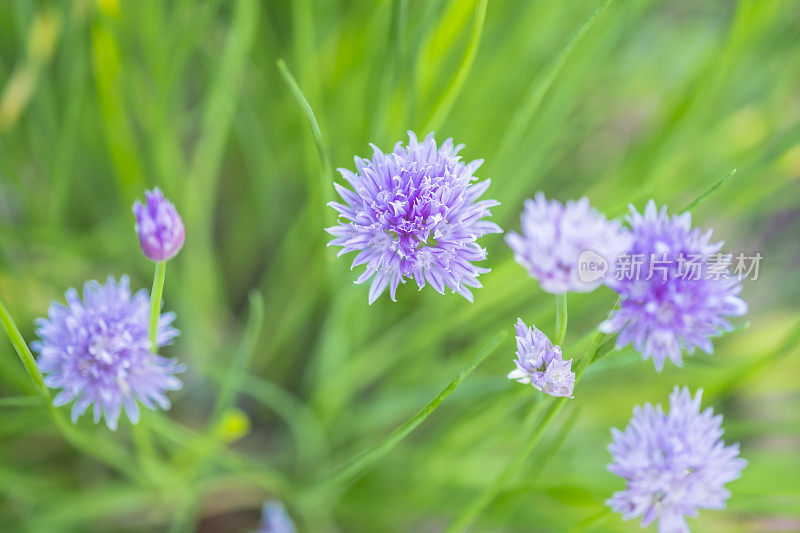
[676, 289]
[673, 463]
[96, 350]
[414, 213]
[558, 241]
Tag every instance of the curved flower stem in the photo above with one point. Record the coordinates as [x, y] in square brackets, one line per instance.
[561, 318]
[155, 303]
[24, 353]
[357, 465]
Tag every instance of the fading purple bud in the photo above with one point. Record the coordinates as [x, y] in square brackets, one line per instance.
[160, 228]
[540, 363]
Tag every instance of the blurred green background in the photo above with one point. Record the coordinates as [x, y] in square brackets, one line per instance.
[660, 99]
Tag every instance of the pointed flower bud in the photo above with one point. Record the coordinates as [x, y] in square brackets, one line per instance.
[540, 364]
[160, 228]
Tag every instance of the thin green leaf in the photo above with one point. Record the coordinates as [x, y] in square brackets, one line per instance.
[453, 89]
[703, 197]
[541, 84]
[357, 465]
[326, 175]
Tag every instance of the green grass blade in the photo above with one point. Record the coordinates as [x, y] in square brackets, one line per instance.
[541, 85]
[356, 466]
[324, 193]
[703, 197]
[750, 368]
[200, 281]
[22, 349]
[454, 87]
[21, 401]
[241, 360]
[474, 510]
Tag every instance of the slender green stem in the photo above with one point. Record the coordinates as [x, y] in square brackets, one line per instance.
[474, 510]
[488, 495]
[561, 318]
[357, 465]
[155, 303]
[21, 347]
[146, 450]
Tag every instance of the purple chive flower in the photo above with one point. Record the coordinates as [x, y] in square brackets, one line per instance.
[674, 293]
[673, 464]
[160, 228]
[540, 363]
[97, 351]
[559, 243]
[414, 213]
[275, 519]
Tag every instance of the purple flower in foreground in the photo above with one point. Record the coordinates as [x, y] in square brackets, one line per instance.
[97, 351]
[674, 464]
[556, 238]
[274, 519]
[540, 363]
[160, 228]
[666, 308]
[414, 213]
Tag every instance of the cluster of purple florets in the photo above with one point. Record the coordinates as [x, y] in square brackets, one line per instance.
[418, 213]
[98, 350]
[415, 213]
[540, 364]
[673, 463]
[670, 313]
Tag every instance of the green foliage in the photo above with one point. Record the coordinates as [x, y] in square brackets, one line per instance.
[620, 101]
